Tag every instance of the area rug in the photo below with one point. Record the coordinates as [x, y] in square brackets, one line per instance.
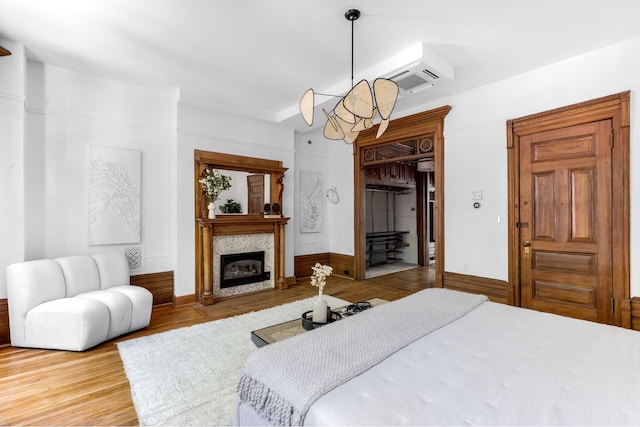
[188, 376]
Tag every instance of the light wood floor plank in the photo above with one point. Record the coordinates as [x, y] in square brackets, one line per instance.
[48, 387]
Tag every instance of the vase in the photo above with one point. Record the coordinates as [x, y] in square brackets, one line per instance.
[212, 210]
[320, 309]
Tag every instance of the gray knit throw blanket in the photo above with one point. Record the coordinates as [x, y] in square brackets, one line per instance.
[282, 380]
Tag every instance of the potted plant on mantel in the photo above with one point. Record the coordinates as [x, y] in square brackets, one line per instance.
[231, 207]
[214, 183]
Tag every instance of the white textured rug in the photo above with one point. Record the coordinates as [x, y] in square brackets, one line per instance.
[188, 376]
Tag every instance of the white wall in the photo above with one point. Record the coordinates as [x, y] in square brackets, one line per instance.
[341, 220]
[69, 112]
[45, 197]
[476, 156]
[12, 158]
[313, 155]
[334, 160]
[199, 129]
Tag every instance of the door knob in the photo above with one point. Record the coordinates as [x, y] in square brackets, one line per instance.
[526, 243]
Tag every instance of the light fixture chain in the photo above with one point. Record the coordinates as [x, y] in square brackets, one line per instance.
[352, 22]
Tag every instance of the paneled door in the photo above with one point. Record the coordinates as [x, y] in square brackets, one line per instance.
[566, 221]
[255, 189]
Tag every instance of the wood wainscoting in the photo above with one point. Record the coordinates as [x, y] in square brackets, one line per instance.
[634, 322]
[159, 284]
[495, 290]
[343, 265]
[4, 323]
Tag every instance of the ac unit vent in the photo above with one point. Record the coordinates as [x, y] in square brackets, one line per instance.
[431, 74]
[432, 69]
[414, 79]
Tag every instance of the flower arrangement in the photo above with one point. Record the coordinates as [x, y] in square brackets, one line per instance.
[319, 276]
[214, 183]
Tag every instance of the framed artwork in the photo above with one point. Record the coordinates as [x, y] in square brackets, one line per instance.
[114, 196]
[310, 202]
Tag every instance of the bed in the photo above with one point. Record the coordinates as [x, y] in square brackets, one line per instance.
[441, 357]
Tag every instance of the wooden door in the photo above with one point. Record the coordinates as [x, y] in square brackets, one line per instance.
[566, 221]
[255, 188]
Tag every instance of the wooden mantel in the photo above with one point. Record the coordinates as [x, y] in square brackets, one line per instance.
[228, 225]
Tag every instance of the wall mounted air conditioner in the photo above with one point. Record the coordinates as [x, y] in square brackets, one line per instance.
[430, 70]
[412, 80]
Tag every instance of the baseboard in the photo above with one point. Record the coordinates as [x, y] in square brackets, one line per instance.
[343, 265]
[183, 300]
[495, 290]
[289, 281]
[159, 284]
[635, 313]
[5, 339]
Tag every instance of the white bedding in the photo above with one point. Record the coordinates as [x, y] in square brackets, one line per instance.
[498, 365]
[281, 381]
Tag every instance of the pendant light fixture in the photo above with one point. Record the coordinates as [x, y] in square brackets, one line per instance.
[357, 110]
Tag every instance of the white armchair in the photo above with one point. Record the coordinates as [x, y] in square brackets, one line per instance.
[75, 302]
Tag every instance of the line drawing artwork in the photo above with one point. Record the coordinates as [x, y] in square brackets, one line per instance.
[310, 202]
[114, 196]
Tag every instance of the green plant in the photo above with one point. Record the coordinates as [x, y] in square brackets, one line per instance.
[231, 207]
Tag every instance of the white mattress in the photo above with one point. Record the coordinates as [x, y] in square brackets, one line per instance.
[498, 365]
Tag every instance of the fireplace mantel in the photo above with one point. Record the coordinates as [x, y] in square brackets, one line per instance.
[228, 225]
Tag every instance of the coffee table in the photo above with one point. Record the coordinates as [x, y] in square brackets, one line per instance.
[291, 328]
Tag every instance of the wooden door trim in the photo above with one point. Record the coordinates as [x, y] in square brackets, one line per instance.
[617, 109]
[401, 129]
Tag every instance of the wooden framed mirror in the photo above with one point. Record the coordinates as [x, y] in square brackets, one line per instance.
[247, 174]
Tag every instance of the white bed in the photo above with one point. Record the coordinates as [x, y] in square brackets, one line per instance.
[495, 365]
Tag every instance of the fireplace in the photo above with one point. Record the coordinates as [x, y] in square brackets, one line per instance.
[241, 269]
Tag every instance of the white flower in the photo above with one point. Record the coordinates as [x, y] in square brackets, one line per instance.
[214, 183]
[320, 274]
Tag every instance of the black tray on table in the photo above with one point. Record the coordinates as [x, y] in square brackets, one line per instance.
[308, 324]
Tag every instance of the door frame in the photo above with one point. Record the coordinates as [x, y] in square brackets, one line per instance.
[402, 129]
[617, 109]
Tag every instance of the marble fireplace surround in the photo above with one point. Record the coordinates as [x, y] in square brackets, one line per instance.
[234, 234]
[237, 244]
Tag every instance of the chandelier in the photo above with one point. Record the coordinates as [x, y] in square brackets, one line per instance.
[357, 109]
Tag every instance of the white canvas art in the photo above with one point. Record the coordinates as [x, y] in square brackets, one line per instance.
[114, 196]
[310, 202]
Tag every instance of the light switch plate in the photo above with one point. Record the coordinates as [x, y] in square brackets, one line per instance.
[476, 195]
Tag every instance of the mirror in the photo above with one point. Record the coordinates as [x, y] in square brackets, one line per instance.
[243, 184]
[255, 182]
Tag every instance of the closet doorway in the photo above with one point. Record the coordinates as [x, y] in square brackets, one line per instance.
[407, 141]
[399, 216]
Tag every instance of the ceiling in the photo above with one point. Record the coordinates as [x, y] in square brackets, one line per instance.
[257, 57]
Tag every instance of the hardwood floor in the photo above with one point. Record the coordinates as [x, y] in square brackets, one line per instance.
[47, 387]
